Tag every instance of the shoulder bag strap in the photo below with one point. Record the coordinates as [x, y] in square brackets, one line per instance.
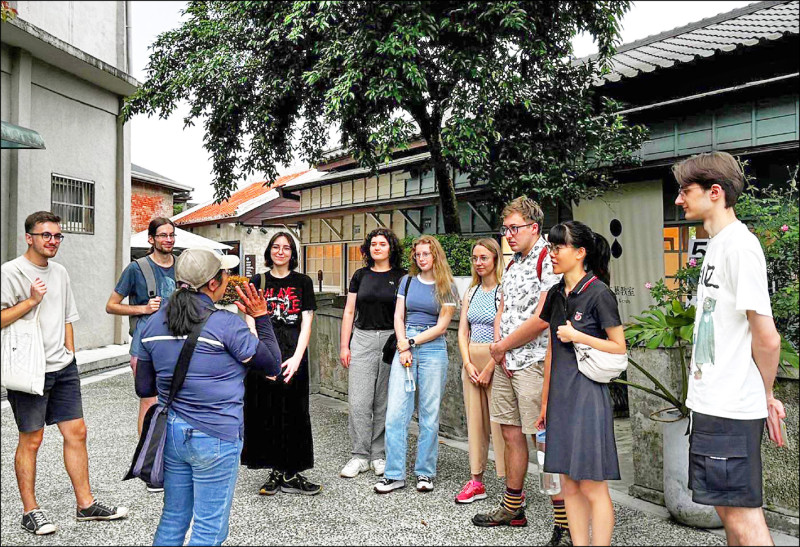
[39, 305]
[182, 366]
[263, 282]
[149, 276]
[540, 263]
[405, 300]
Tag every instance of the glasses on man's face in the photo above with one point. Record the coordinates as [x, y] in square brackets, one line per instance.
[423, 256]
[513, 229]
[47, 236]
[484, 259]
[164, 236]
[684, 190]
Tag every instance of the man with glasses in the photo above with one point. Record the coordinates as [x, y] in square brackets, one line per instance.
[519, 350]
[32, 282]
[159, 266]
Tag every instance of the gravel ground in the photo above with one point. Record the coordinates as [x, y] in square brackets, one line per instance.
[347, 512]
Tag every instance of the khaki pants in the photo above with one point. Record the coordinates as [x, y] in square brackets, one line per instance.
[479, 425]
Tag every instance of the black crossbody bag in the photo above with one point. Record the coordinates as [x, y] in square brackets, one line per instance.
[390, 347]
[148, 459]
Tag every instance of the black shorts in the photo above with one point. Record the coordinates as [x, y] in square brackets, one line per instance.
[60, 402]
[725, 461]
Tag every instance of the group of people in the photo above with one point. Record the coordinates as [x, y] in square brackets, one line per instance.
[245, 399]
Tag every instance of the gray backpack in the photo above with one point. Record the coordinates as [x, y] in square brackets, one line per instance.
[150, 280]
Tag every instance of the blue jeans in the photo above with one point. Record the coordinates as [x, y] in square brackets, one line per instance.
[429, 370]
[200, 474]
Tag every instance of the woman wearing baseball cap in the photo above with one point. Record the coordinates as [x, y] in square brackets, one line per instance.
[205, 421]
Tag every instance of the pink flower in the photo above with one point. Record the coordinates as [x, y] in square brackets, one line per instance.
[648, 285]
[784, 228]
[692, 262]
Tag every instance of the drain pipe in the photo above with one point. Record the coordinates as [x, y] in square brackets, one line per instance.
[128, 67]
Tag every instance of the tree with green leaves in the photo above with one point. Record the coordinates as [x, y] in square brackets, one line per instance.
[492, 87]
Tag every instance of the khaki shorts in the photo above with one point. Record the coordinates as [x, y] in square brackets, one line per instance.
[518, 400]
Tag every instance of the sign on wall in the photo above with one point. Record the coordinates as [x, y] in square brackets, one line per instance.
[698, 247]
[632, 220]
[249, 266]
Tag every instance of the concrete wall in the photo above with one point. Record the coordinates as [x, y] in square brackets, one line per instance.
[5, 155]
[253, 243]
[94, 27]
[78, 122]
[148, 201]
[330, 378]
[780, 465]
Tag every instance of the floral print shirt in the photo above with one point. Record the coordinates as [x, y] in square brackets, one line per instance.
[521, 288]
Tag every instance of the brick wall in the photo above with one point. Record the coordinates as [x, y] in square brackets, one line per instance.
[148, 201]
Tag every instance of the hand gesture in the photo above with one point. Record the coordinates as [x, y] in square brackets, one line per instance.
[290, 367]
[406, 358]
[38, 290]
[775, 413]
[344, 356]
[567, 333]
[251, 302]
[152, 305]
[485, 377]
[472, 373]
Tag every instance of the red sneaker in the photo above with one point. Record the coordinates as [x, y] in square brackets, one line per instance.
[472, 491]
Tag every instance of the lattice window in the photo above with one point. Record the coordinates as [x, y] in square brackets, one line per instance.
[73, 200]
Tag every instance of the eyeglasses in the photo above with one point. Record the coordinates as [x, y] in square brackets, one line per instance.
[47, 236]
[555, 249]
[684, 190]
[481, 259]
[164, 236]
[422, 255]
[513, 229]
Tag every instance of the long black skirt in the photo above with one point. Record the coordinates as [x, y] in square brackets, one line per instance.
[277, 425]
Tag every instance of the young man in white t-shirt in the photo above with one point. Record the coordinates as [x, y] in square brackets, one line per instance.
[30, 283]
[735, 353]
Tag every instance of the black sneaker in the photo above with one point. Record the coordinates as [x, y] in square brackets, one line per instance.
[298, 484]
[384, 486]
[273, 484]
[154, 489]
[560, 537]
[36, 522]
[501, 517]
[100, 511]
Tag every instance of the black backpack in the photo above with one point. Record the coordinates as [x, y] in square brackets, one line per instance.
[150, 280]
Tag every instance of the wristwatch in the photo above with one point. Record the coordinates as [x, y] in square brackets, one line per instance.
[411, 343]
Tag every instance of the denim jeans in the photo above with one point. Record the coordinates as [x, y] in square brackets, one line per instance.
[200, 474]
[429, 370]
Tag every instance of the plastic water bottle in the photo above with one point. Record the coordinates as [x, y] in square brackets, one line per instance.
[409, 383]
[549, 483]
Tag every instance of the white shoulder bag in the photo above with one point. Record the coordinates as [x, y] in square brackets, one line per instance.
[600, 366]
[23, 365]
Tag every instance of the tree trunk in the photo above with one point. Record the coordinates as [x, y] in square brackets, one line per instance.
[447, 189]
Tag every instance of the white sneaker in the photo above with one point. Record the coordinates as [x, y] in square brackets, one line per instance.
[378, 466]
[384, 486]
[424, 484]
[354, 467]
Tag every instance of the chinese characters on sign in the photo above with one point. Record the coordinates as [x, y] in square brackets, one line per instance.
[622, 292]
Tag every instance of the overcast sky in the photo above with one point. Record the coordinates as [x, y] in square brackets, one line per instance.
[165, 147]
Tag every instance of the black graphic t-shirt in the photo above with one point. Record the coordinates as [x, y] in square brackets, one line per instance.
[377, 294]
[287, 299]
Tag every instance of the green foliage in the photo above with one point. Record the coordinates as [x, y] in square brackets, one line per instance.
[492, 87]
[178, 208]
[457, 249]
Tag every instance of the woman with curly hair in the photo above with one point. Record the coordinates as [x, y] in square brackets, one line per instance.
[370, 308]
[426, 301]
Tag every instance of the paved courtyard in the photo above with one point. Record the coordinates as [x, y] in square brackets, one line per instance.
[346, 512]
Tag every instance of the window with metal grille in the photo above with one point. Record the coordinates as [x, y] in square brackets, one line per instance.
[73, 200]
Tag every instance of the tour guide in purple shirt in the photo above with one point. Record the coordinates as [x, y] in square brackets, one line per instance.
[205, 422]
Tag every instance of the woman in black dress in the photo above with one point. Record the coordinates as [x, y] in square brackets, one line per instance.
[578, 411]
[277, 425]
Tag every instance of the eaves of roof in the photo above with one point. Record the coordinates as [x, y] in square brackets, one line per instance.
[336, 176]
[160, 181]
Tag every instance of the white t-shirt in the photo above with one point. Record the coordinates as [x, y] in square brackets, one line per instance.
[724, 380]
[57, 307]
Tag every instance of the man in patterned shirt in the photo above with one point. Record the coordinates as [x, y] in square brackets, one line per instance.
[519, 352]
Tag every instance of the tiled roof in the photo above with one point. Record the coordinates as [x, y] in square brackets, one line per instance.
[728, 31]
[140, 173]
[236, 205]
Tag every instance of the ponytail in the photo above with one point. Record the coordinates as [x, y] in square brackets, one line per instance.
[185, 309]
[597, 260]
[577, 234]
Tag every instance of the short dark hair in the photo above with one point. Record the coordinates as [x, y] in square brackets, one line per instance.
[712, 168]
[395, 250]
[157, 223]
[293, 262]
[40, 216]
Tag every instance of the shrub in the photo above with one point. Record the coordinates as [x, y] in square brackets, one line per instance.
[458, 250]
[230, 295]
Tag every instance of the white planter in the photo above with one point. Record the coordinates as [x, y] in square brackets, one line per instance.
[677, 496]
[462, 283]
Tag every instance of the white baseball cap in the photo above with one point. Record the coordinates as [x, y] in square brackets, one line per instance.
[196, 267]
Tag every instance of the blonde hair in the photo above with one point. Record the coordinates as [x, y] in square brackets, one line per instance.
[442, 274]
[499, 263]
[527, 208]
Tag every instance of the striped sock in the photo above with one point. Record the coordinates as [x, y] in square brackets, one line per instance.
[512, 499]
[560, 514]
